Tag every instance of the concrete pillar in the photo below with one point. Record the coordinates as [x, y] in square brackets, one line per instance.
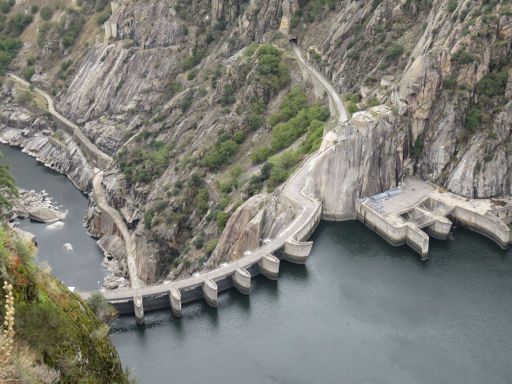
[210, 292]
[242, 280]
[175, 298]
[269, 266]
[138, 308]
[297, 252]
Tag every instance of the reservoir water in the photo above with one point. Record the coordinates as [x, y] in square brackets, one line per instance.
[360, 311]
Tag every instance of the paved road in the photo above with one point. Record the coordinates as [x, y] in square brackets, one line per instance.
[83, 140]
[308, 208]
[101, 201]
[335, 105]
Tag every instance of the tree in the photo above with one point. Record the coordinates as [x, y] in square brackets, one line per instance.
[8, 188]
[46, 13]
[101, 308]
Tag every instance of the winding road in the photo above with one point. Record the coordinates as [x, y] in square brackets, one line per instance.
[300, 229]
[100, 159]
[305, 222]
[335, 104]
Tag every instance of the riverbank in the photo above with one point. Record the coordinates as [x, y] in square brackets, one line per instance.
[82, 267]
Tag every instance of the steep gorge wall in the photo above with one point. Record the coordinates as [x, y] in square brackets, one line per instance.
[433, 84]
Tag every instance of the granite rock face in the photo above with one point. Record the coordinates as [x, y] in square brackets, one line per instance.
[367, 159]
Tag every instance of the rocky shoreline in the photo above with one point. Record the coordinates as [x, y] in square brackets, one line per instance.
[36, 135]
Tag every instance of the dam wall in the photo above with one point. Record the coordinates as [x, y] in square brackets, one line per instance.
[487, 225]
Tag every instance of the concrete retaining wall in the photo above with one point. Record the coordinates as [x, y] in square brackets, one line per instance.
[309, 227]
[486, 225]
[399, 235]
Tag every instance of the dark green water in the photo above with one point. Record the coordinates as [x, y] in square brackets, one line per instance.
[81, 268]
[360, 311]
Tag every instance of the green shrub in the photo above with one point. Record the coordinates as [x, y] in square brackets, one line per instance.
[293, 119]
[254, 118]
[463, 57]
[417, 148]
[210, 246]
[452, 6]
[18, 23]
[225, 148]
[272, 72]
[44, 31]
[373, 102]
[5, 6]
[493, 84]
[394, 51]
[194, 59]
[46, 12]
[9, 48]
[222, 219]
[261, 154]
[294, 101]
[352, 107]
[148, 218]
[191, 75]
[473, 118]
[101, 307]
[228, 95]
[34, 9]
[186, 102]
[144, 165]
[102, 17]
[250, 49]
[28, 72]
[24, 98]
[450, 82]
[198, 242]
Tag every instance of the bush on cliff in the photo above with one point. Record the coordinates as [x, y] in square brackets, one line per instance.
[57, 336]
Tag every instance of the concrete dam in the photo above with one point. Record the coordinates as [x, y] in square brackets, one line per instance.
[324, 186]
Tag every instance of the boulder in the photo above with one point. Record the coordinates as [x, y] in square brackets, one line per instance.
[45, 215]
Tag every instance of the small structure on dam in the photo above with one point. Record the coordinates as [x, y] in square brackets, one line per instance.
[416, 209]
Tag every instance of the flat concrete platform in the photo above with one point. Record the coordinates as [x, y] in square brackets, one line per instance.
[416, 209]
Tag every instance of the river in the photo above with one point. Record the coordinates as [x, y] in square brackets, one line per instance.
[360, 311]
[80, 268]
